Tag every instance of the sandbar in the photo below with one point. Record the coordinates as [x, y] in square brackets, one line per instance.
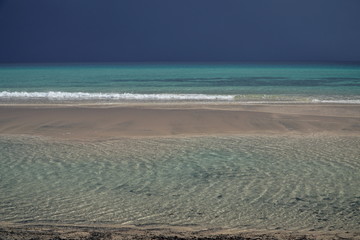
[148, 120]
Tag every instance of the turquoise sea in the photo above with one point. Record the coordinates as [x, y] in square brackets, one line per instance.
[182, 82]
[308, 182]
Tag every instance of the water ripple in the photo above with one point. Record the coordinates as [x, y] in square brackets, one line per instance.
[247, 182]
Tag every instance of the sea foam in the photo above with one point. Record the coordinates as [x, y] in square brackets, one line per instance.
[351, 101]
[51, 95]
[251, 98]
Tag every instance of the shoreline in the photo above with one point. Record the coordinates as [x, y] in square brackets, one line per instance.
[118, 232]
[87, 122]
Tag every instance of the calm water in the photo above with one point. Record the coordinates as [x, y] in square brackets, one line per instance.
[186, 82]
[244, 182]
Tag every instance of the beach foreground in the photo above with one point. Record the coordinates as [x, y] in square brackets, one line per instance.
[210, 171]
[113, 121]
[47, 232]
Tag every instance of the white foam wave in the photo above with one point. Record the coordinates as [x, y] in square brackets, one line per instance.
[51, 95]
[352, 101]
[81, 96]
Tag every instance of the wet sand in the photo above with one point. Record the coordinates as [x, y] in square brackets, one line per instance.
[66, 232]
[116, 121]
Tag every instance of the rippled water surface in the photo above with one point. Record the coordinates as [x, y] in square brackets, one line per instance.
[246, 182]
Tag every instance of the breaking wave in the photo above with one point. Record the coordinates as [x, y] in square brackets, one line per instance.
[51, 95]
[251, 98]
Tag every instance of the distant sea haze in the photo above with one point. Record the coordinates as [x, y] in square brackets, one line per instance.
[305, 83]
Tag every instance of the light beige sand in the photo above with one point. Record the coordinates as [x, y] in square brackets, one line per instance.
[116, 121]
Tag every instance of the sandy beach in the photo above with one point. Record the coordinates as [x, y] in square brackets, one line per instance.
[116, 121]
[102, 122]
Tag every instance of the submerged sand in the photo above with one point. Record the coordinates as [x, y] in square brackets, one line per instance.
[114, 121]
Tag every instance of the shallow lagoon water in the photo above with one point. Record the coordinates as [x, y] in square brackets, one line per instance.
[257, 182]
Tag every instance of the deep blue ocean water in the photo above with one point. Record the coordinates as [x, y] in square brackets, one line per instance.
[186, 82]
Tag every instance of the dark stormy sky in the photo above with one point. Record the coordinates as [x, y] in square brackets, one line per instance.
[179, 30]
